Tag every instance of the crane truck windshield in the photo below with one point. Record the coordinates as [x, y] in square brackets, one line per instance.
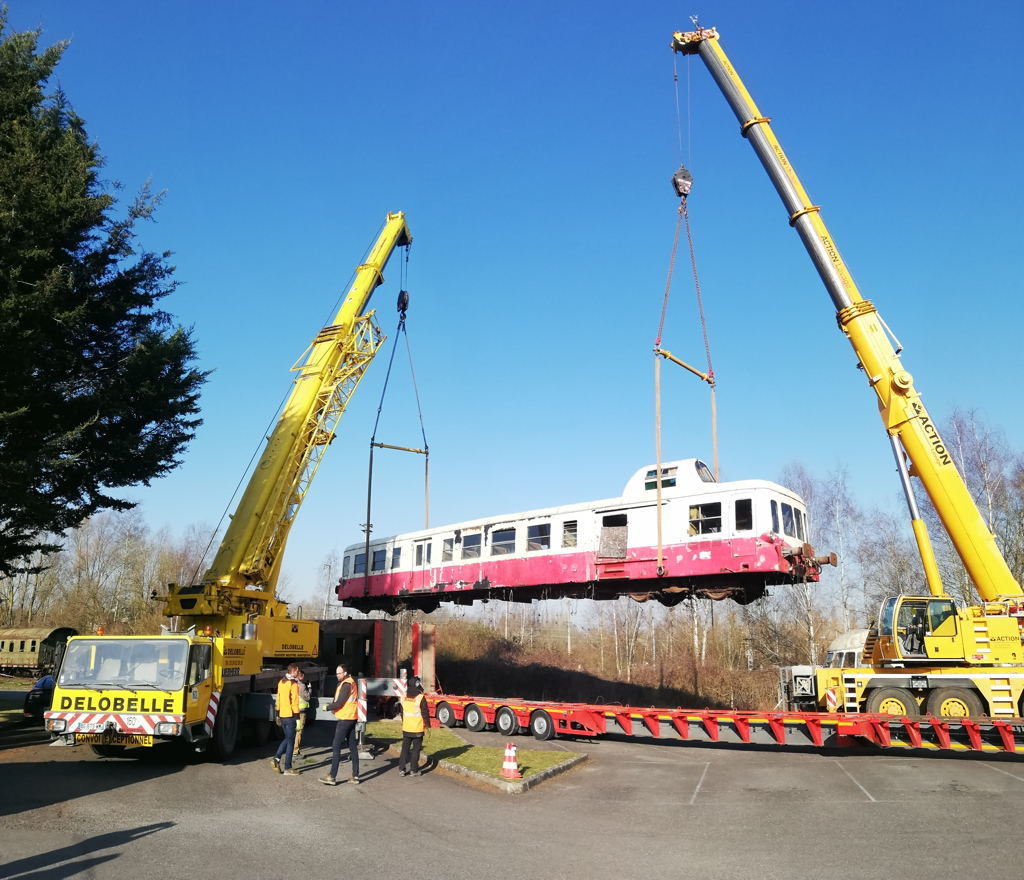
[125, 663]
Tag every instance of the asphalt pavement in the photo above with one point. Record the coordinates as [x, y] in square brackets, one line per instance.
[637, 807]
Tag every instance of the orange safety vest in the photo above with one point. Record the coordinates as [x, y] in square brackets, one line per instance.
[287, 698]
[348, 711]
[412, 714]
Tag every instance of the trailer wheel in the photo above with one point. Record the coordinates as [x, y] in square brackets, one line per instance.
[505, 722]
[225, 730]
[954, 703]
[893, 701]
[444, 715]
[541, 725]
[474, 718]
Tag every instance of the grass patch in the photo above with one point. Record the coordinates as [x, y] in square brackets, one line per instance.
[442, 744]
[11, 716]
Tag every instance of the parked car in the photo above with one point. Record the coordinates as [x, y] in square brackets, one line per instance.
[38, 700]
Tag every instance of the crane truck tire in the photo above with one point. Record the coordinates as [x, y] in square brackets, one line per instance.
[541, 725]
[225, 731]
[954, 703]
[892, 701]
[444, 715]
[474, 718]
[505, 722]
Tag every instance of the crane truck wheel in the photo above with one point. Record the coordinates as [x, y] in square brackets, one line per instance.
[505, 722]
[444, 715]
[892, 701]
[474, 718]
[541, 725]
[954, 703]
[225, 731]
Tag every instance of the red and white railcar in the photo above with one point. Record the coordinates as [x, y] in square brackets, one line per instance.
[720, 540]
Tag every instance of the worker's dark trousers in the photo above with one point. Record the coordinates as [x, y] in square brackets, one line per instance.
[413, 741]
[285, 749]
[346, 729]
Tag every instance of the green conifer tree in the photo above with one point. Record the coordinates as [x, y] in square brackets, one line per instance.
[98, 386]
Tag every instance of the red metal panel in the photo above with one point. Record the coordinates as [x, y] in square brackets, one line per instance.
[682, 725]
[778, 728]
[710, 722]
[652, 723]
[1006, 734]
[941, 729]
[742, 728]
[814, 729]
[913, 731]
[973, 732]
[624, 721]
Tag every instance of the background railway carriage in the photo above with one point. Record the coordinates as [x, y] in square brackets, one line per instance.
[720, 540]
[33, 651]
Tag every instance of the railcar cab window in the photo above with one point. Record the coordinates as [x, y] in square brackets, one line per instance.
[538, 537]
[668, 478]
[775, 517]
[446, 549]
[471, 546]
[360, 567]
[503, 541]
[345, 566]
[396, 557]
[744, 515]
[706, 519]
[792, 522]
[704, 472]
[569, 533]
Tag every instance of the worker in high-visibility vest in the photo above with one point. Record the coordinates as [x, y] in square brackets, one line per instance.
[345, 710]
[415, 722]
[287, 712]
[300, 719]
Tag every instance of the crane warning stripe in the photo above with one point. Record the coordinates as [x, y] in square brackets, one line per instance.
[211, 712]
[89, 722]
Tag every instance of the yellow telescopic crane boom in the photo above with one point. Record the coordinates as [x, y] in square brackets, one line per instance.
[904, 416]
[241, 581]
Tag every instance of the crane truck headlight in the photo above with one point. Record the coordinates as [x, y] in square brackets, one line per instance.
[57, 725]
[167, 728]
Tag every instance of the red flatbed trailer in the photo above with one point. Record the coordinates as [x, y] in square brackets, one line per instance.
[546, 719]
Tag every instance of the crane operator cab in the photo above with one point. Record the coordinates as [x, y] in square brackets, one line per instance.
[918, 628]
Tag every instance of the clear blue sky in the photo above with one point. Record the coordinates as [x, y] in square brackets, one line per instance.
[531, 146]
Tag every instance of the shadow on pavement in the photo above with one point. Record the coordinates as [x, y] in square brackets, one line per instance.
[47, 865]
[20, 735]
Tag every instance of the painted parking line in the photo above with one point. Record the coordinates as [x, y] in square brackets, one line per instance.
[855, 782]
[990, 767]
[696, 791]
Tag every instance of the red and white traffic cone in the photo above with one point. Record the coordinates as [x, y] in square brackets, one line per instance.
[510, 767]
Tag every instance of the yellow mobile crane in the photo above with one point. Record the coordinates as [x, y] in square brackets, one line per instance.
[201, 683]
[925, 654]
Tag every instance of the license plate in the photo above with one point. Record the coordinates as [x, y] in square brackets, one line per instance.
[116, 739]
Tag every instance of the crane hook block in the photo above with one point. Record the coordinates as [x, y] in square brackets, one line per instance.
[682, 180]
[403, 301]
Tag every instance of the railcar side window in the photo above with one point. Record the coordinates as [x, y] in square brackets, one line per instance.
[345, 565]
[744, 515]
[668, 478]
[799, 523]
[503, 541]
[22, 648]
[33, 648]
[471, 546]
[396, 557]
[360, 564]
[379, 557]
[429, 545]
[706, 519]
[446, 549]
[569, 533]
[788, 526]
[419, 554]
[538, 537]
[775, 517]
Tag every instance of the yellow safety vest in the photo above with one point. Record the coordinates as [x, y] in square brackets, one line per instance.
[348, 711]
[412, 715]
